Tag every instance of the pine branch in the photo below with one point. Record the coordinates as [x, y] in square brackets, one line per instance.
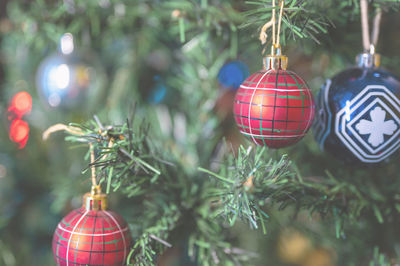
[152, 243]
[308, 19]
[379, 259]
[302, 19]
[122, 154]
[247, 183]
[243, 185]
[208, 246]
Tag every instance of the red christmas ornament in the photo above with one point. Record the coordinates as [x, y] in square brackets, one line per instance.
[274, 107]
[19, 132]
[92, 236]
[21, 104]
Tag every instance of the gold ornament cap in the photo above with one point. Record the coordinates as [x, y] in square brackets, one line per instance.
[275, 60]
[95, 200]
[370, 59]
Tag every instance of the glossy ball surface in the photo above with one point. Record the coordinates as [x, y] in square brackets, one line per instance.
[358, 115]
[274, 108]
[91, 238]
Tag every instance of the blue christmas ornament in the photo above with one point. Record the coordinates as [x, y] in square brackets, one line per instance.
[68, 79]
[358, 113]
[158, 92]
[232, 74]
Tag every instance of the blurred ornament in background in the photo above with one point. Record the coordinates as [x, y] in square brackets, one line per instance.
[274, 107]
[293, 246]
[232, 74]
[92, 235]
[320, 257]
[69, 79]
[358, 117]
[19, 132]
[21, 104]
[158, 91]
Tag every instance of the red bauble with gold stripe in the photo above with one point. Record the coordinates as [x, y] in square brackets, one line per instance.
[274, 108]
[91, 236]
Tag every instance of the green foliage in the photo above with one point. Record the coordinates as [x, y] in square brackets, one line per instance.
[122, 154]
[151, 243]
[245, 184]
[379, 259]
[301, 19]
[307, 19]
[275, 182]
[241, 192]
[6, 256]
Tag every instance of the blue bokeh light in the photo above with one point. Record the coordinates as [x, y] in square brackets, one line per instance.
[158, 92]
[232, 74]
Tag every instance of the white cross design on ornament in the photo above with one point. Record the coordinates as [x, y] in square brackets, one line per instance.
[377, 127]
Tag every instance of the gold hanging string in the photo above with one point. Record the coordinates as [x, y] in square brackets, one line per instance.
[275, 34]
[61, 127]
[376, 26]
[368, 44]
[92, 167]
[364, 25]
[78, 132]
[279, 23]
[274, 21]
[263, 33]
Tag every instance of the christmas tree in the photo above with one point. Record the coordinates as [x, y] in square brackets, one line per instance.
[136, 103]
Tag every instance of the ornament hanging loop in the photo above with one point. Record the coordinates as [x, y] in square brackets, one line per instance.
[275, 60]
[372, 49]
[279, 22]
[369, 58]
[92, 167]
[96, 188]
[275, 38]
[364, 24]
[275, 34]
[275, 49]
[376, 26]
[368, 43]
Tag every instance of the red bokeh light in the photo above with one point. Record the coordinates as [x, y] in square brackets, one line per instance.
[21, 104]
[19, 132]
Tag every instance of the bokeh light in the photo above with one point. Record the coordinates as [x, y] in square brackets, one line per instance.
[21, 104]
[232, 74]
[158, 92]
[68, 79]
[19, 132]
[67, 43]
